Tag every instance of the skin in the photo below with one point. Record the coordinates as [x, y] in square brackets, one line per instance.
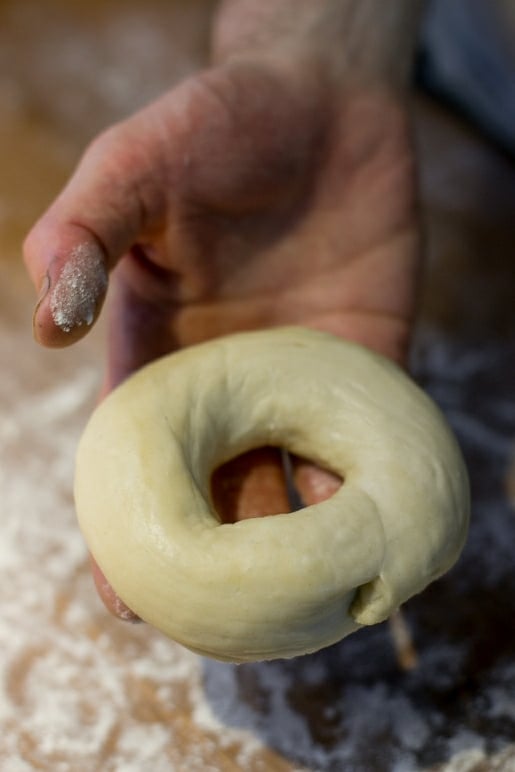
[276, 187]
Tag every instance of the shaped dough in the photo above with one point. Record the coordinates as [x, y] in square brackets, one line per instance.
[287, 584]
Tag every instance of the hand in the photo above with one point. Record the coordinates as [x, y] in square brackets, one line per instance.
[261, 192]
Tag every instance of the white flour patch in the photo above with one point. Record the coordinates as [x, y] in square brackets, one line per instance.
[79, 289]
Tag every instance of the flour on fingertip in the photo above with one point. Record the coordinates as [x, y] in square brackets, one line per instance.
[79, 289]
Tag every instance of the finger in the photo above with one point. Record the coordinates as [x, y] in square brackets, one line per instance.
[107, 203]
[312, 483]
[111, 600]
[140, 318]
[252, 485]
[138, 332]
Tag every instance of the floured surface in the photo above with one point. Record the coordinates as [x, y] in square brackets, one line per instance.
[81, 692]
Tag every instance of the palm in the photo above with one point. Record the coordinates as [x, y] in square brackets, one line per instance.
[276, 207]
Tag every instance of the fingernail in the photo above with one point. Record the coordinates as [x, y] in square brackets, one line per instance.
[80, 288]
[124, 613]
[43, 292]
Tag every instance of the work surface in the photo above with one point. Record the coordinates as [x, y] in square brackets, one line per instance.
[81, 691]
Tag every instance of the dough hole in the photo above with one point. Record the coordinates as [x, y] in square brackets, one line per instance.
[238, 490]
[260, 483]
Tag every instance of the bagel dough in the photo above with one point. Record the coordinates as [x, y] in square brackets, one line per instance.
[280, 585]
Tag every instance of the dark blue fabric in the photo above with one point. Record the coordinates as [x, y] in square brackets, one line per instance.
[467, 57]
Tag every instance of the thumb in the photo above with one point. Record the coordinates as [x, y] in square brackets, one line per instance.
[98, 216]
[213, 142]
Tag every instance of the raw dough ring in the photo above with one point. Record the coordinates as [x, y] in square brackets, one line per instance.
[292, 583]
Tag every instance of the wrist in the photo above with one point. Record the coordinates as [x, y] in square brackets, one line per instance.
[362, 40]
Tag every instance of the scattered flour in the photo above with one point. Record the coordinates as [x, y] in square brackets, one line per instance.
[80, 691]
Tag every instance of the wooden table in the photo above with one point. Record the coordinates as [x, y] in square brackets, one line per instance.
[81, 691]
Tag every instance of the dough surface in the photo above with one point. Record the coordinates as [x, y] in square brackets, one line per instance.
[282, 585]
